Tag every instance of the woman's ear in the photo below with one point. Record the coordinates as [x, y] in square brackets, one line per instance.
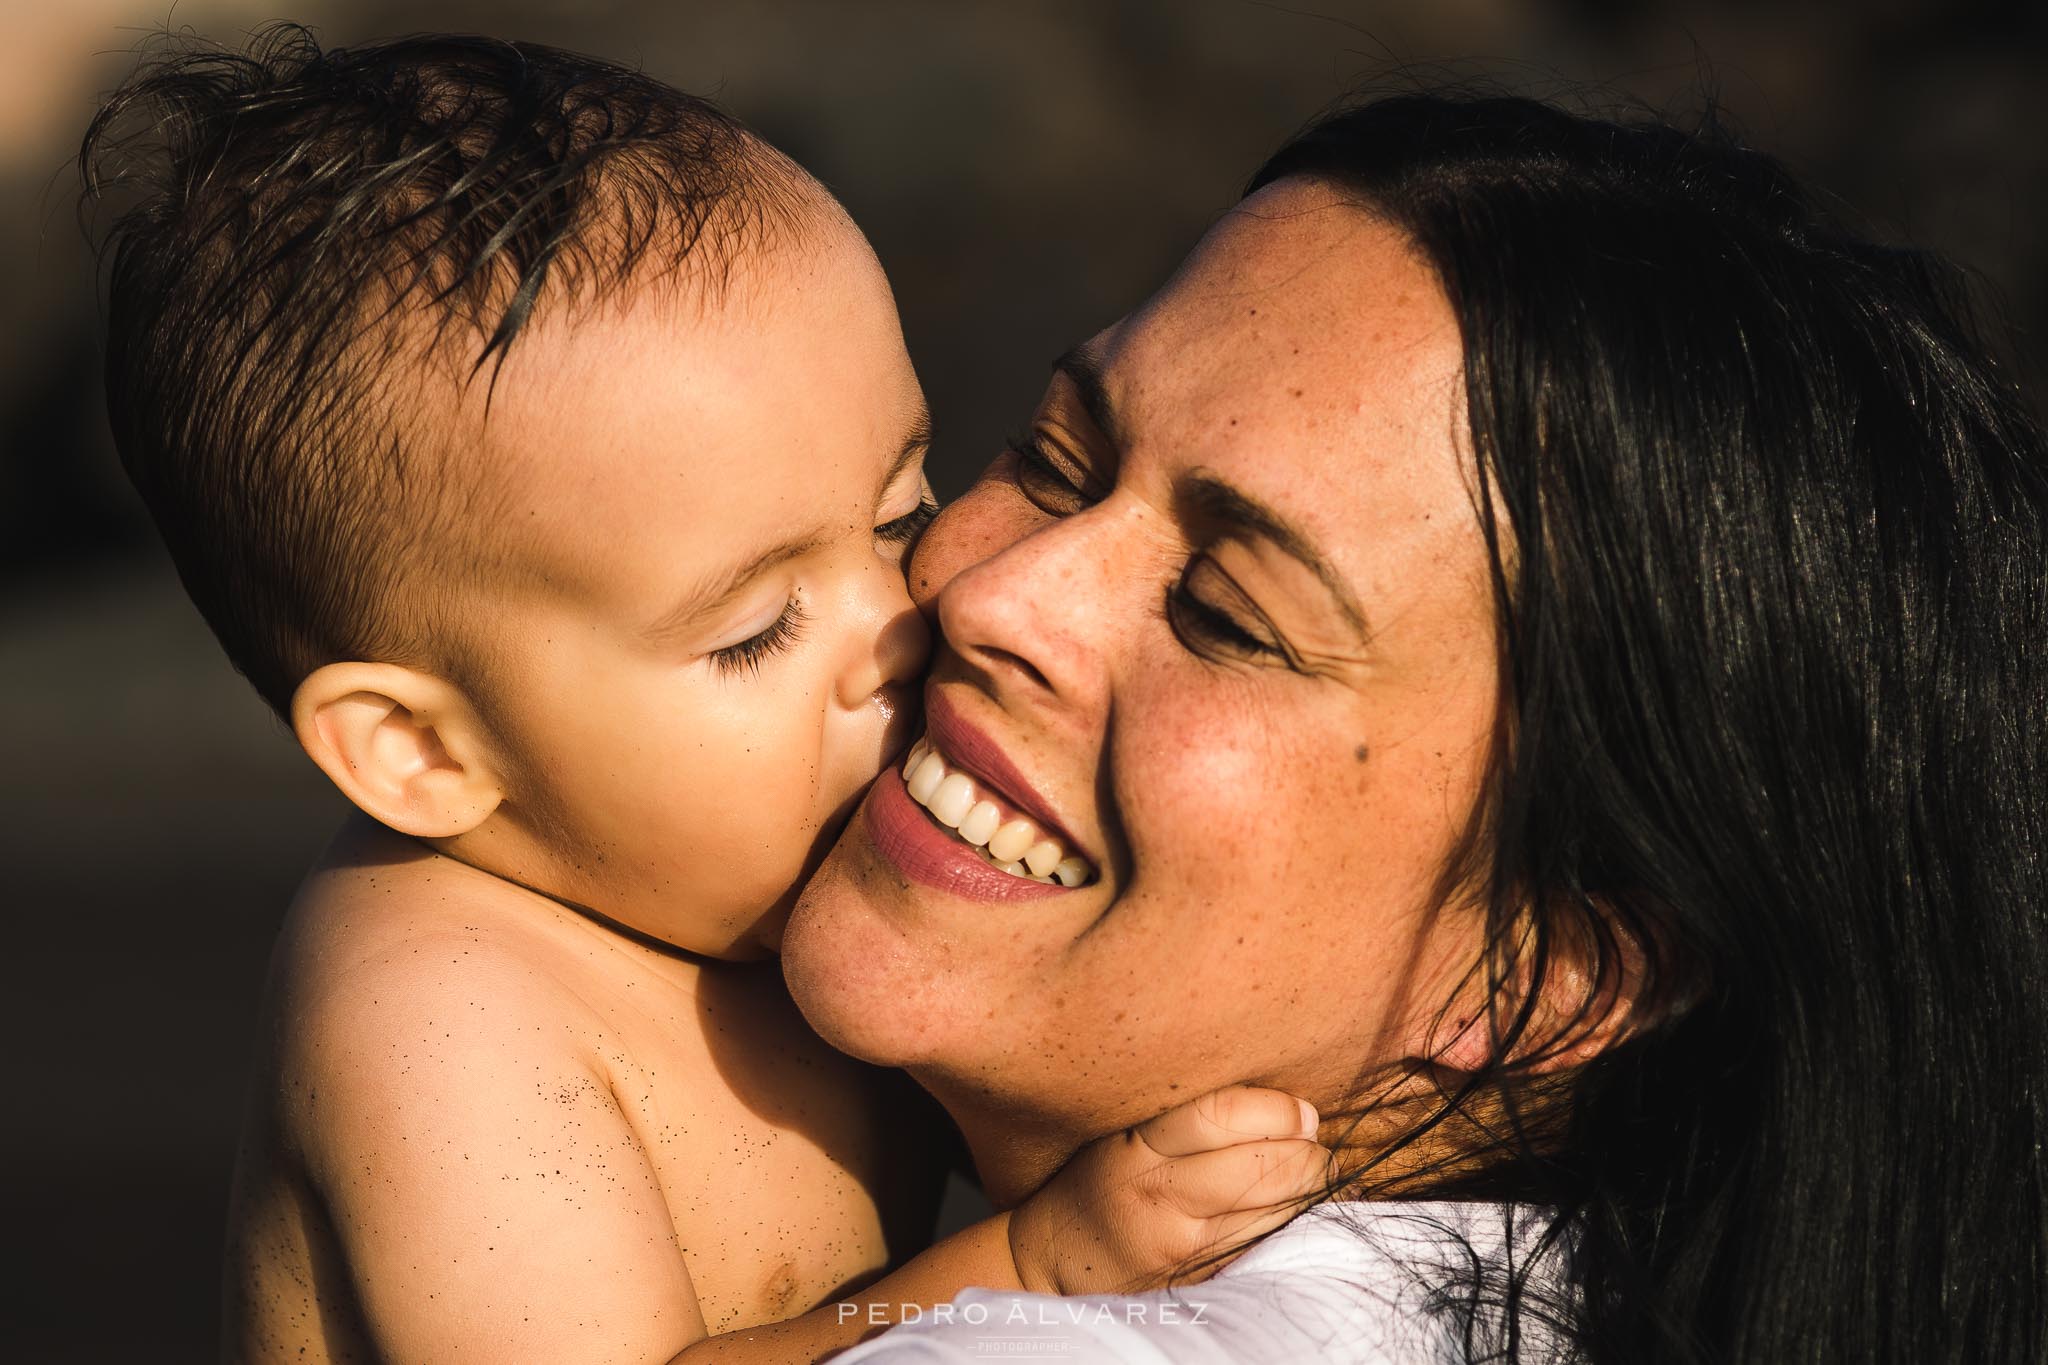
[1594, 975]
[404, 746]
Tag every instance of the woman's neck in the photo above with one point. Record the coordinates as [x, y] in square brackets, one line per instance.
[1400, 1145]
[1013, 1153]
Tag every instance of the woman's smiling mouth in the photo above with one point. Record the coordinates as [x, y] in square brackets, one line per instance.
[956, 814]
[1011, 842]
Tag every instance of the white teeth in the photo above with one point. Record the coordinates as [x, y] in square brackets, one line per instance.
[954, 798]
[1011, 840]
[1013, 846]
[1042, 857]
[981, 822]
[922, 783]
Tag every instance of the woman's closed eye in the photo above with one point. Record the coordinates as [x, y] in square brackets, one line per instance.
[1216, 619]
[1054, 481]
[746, 656]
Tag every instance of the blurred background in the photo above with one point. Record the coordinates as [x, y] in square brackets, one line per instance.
[1026, 170]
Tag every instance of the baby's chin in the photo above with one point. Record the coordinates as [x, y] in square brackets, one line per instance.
[759, 933]
[747, 939]
[739, 918]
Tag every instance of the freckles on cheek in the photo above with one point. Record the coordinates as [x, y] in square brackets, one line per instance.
[1202, 788]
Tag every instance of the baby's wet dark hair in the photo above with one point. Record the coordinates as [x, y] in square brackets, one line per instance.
[307, 232]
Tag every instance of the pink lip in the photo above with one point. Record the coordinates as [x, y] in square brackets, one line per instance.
[906, 836]
[969, 750]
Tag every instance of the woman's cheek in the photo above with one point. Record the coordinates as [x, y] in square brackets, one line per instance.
[1206, 791]
[984, 521]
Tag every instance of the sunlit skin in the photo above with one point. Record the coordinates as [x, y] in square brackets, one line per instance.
[677, 742]
[503, 1080]
[523, 1095]
[1266, 762]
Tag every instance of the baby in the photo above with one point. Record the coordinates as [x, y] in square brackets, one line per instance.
[543, 447]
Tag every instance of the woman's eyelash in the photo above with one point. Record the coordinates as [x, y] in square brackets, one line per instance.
[909, 526]
[1190, 615]
[1045, 480]
[1212, 630]
[1031, 446]
[1025, 442]
[746, 656]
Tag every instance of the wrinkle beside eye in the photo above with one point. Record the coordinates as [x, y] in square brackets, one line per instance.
[1231, 625]
[1216, 618]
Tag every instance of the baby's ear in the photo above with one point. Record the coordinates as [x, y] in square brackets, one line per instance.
[404, 746]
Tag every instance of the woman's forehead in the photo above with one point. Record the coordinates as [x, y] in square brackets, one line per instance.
[1300, 289]
[1304, 337]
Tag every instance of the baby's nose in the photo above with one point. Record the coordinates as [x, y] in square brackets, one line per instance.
[893, 663]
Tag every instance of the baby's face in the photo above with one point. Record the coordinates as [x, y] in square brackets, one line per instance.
[701, 647]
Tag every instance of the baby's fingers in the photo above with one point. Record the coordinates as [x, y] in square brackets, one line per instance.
[1279, 1174]
[1228, 1117]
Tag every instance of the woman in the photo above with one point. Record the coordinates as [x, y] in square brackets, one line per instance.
[1538, 638]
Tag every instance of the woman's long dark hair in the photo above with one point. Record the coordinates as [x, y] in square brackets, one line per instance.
[1771, 586]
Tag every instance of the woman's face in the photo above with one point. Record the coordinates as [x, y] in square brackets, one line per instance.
[1225, 626]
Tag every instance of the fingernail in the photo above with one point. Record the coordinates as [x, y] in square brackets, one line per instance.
[1311, 1122]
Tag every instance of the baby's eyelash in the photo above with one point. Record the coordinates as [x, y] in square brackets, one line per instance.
[746, 656]
[909, 526]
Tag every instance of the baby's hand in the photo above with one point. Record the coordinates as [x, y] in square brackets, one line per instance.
[1131, 1209]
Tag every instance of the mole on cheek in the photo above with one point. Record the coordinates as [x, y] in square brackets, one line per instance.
[1359, 753]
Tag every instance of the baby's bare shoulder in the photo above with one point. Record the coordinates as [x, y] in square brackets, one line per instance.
[400, 974]
[440, 1090]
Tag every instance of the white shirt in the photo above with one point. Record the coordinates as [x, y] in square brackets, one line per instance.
[1344, 1282]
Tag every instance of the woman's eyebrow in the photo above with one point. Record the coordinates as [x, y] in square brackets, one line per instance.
[1201, 496]
[1083, 368]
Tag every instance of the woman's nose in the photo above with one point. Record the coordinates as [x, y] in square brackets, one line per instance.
[1039, 613]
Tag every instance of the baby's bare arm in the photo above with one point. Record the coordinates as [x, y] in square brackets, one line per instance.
[490, 1199]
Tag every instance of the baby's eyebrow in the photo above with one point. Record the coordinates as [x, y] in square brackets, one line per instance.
[916, 442]
[719, 588]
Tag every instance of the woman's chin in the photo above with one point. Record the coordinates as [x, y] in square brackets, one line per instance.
[856, 976]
